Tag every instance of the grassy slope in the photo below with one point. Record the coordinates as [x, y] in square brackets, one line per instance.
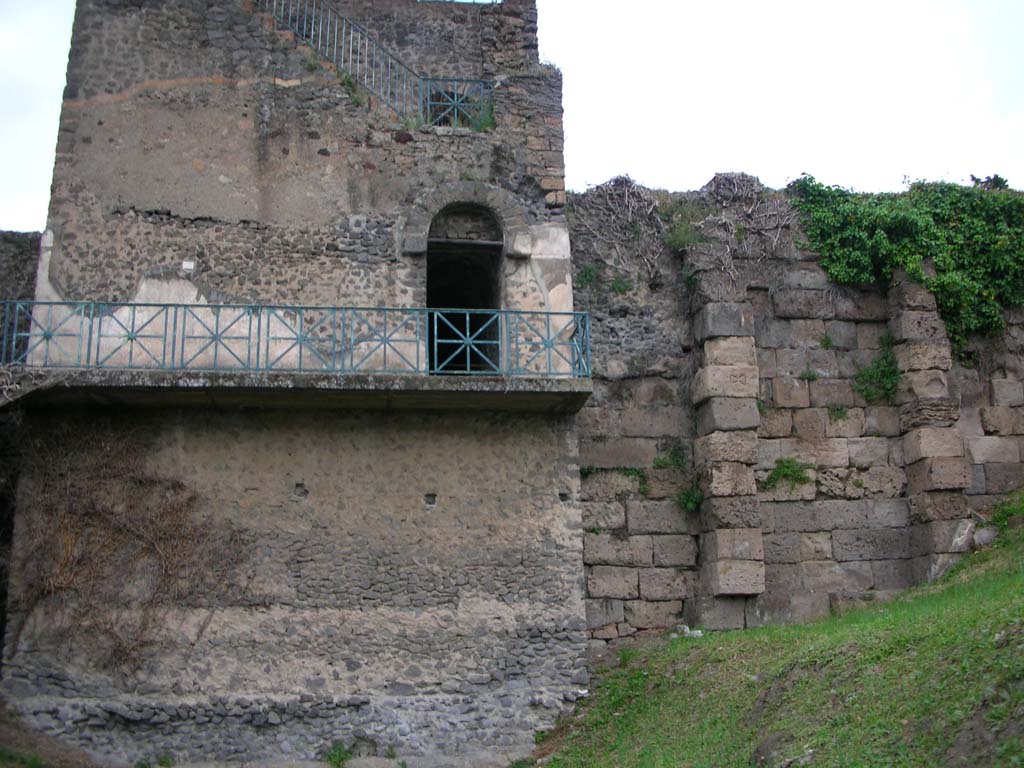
[935, 678]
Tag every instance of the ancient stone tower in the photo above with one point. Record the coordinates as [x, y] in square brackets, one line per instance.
[310, 475]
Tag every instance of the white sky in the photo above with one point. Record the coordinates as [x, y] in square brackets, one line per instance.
[863, 94]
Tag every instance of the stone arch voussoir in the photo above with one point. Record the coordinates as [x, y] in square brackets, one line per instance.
[510, 214]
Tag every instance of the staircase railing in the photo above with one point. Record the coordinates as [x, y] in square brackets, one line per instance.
[431, 101]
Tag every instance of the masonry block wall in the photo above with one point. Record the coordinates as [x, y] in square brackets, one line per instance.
[773, 350]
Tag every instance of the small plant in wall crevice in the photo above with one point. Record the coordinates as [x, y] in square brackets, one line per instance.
[788, 470]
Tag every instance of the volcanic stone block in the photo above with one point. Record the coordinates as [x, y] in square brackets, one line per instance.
[938, 474]
[932, 441]
[606, 515]
[850, 424]
[825, 392]
[607, 549]
[734, 577]
[924, 355]
[842, 334]
[613, 581]
[732, 544]
[734, 512]
[666, 584]
[809, 423]
[658, 517]
[719, 613]
[993, 450]
[816, 546]
[730, 350]
[776, 422]
[728, 478]
[911, 296]
[725, 381]
[1003, 478]
[938, 505]
[941, 536]
[913, 325]
[727, 414]
[892, 574]
[726, 446]
[869, 335]
[861, 306]
[780, 548]
[929, 412]
[921, 384]
[791, 393]
[603, 612]
[871, 544]
[998, 420]
[648, 615]
[867, 452]
[723, 319]
[829, 576]
[675, 551]
[662, 483]
[881, 421]
[1007, 392]
[799, 303]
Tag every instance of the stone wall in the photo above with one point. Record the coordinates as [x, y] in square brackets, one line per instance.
[19, 256]
[441, 617]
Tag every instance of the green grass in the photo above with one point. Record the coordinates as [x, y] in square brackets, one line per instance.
[891, 685]
[10, 758]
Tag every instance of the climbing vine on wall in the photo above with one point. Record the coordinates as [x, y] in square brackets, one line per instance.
[966, 244]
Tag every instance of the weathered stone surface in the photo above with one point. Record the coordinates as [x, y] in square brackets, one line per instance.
[851, 424]
[882, 421]
[727, 414]
[780, 548]
[875, 482]
[869, 335]
[861, 306]
[740, 446]
[829, 452]
[832, 515]
[650, 615]
[929, 412]
[675, 551]
[825, 392]
[725, 381]
[728, 478]
[867, 452]
[1007, 392]
[609, 549]
[799, 303]
[843, 334]
[806, 333]
[910, 295]
[913, 325]
[924, 355]
[656, 421]
[666, 584]
[658, 517]
[932, 441]
[809, 423]
[999, 420]
[717, 613]
[993, 450]
[734, 512]
[785, 490]
[1003, 478]
[829, 576]
[776, 422]
[871, 544]
[937, 474]
[621, 452]
[730, 350]
[791, 393]
[723, 319]
[921, 384]
[613, 581]
[665, 483]
[733, 577]
[938, 505]
[732, 544]
[603, 515]
[606, 486]
[892, 574]
[941, 536]
[603, 612]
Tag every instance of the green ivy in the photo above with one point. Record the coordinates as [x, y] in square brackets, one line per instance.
[973, 236]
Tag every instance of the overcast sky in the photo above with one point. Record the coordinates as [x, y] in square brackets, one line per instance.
[864, 95]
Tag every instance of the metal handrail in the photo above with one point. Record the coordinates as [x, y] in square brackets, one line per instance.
[347, 45]
[259, 338]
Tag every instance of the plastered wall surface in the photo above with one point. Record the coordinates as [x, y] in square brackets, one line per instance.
[411, 581]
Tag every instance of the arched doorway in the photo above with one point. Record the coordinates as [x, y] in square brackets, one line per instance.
[464, 251]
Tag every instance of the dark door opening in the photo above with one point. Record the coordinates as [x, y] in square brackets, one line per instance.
[464, 278]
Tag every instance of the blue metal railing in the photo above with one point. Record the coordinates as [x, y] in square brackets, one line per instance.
[432, 101]
[236, 337]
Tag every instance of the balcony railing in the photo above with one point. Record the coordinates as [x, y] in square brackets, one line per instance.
[326, 340]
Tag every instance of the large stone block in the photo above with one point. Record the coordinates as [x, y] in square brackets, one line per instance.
[780, 548]
[666, 584]
[807, 333]
[829, 452]
[725, 381]
[658, 517]
[924, 355]
[675, 551]
[776, 422]
[881, 421]
[613, 581]
[998, 420]
[924, 442]
[603, 515]
[717, 613]
[832, 515]
[850, 424]
[733, 577]
[791, 393]
[1007, 392]
[799, 303]
[607, 486]
[784, 490]
[929, 412]
[938, 474]
[914, 325]
[650, 615]
[910, 295]
[727, 414]
[826, 392]
[892, 574]
[938, 505]
[618, 452]
[941, 536]
[732, 544]
[608, 549]
[730, 350]
[816, 546]
[653, 421]
[865, 452]
[786, 607]
[918, 384]
[993, 450]
[728, 478]
[723, 319]
[870, 335]
[667, 482]
[738, 446]
[871, 544]
[809, 423]
[861, 306]
[735, 512]
[842, 334]
[829, 576]
[1003, 478]
[602, 612]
